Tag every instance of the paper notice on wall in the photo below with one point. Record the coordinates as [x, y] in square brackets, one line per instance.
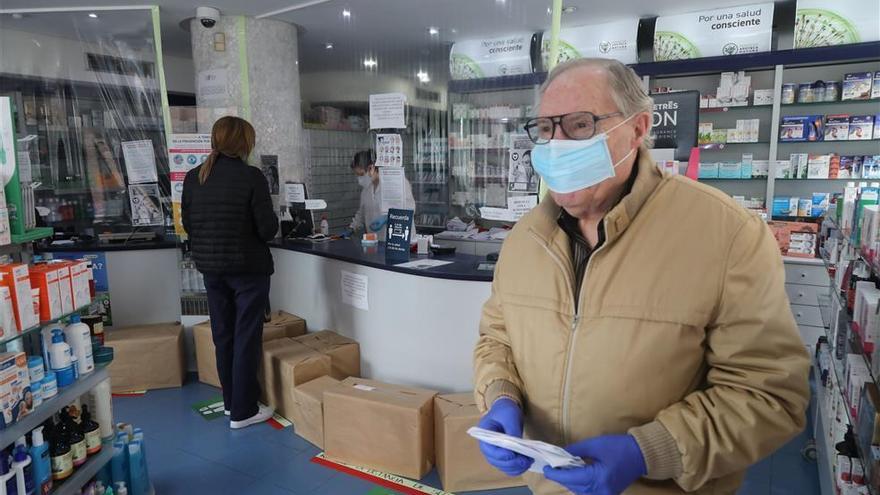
[521, 176]
[295, 193]
[520, 205]
[389, 150]
[497, 214]
[393, 185]
[140, 161]
[355, 290]
[316, 204]
[185, 152]
[387, 111]
[146, 205]
[211, 88]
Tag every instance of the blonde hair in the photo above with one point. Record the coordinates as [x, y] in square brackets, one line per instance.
[625, 85]
[231, 136]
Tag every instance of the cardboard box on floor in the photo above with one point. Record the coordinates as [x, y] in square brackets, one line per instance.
[281, 325]
[345, 352]
[147, 357]
[286, 364]
[381, 426]
[460, 464]
[308, 414]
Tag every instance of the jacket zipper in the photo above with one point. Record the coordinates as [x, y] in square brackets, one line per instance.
[574, 326]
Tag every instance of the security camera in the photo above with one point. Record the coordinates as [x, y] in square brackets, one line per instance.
[208, 16]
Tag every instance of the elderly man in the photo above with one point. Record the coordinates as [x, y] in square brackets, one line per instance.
[639, 319]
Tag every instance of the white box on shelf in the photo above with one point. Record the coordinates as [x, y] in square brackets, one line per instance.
[763, 97]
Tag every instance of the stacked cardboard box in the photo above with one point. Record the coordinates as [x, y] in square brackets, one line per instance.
[381, 426]
[281, 325]
[286, 364]
[460, 463]
[345, 353]
[308, 413]
[147, 357]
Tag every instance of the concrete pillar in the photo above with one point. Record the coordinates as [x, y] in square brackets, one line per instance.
[258, 63]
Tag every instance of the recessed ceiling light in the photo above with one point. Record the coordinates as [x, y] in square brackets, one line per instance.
[328, 46]
[346, 13]
[93, 15]
[433, 31]
[423, 76]
[17, 16]
[370, 63]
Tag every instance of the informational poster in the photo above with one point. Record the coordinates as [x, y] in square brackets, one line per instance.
[146, 205]
[504, 56]
[615, 40]
[355, 290]
[520, 205]
[711, 33]
[398, 233]
[269, 165]
[521, 176]
[185, 152]
[211, 88]
[389, 150]
[836, 22]
[7, 140]
[388, 111]
[294, 193]
[497, 214]
[393, 187]
[675, 121]
[140, 161]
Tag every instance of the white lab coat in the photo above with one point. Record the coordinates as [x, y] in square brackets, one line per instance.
[371, 208]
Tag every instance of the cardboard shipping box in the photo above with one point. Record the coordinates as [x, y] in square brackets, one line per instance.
[460, 463]
[286, 364]
[147, 357]
[308, 414]
[345, 352]
[381, 426]
[280, 326]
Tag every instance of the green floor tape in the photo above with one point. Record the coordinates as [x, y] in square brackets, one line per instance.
[210, 409]
[380, 491]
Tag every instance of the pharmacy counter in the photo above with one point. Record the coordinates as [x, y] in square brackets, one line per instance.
[143, 279]
[415, 327]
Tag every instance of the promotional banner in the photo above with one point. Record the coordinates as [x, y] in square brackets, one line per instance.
[615, 40]
[494, 57]
[185, 152]
[710, 33]
[838, 22]
[675, 121]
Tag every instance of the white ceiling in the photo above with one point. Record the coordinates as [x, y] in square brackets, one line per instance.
[394, 32]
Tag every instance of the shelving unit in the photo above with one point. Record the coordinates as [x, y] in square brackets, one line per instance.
[50, 407]
[86, 472]
[41, 325]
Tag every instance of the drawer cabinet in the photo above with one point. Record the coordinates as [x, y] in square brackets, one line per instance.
[807, 295]
[806, 275]
[807, 315]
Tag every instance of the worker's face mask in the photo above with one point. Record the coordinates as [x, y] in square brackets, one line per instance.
[571, 165]
[364, 180]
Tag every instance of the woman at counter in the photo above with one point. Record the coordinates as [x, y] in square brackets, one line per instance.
[228, 214]
[371, 217]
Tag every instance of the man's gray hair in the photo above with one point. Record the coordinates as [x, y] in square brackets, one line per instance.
[625, 85]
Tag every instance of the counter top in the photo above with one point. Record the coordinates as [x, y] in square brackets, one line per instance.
[95, 246]
[463, 267]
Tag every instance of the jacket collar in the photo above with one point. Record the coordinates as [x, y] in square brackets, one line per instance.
[544, 225]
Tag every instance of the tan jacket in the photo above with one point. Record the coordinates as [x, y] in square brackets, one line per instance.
[683, 336]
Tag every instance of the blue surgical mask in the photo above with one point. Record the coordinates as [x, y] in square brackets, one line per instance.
[364, 180]
[567, 165]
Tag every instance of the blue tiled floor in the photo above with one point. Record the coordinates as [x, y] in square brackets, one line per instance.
[188, 455]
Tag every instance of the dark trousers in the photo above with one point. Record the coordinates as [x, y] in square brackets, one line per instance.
[237, 304]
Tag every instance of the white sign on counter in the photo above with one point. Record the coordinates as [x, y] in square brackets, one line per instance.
[355, 290]
[295, 193]
[387, 111]
[711, 33]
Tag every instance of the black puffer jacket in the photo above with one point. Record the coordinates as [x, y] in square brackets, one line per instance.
[229, 219]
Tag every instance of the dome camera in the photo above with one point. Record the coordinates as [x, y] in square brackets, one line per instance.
[208, 16]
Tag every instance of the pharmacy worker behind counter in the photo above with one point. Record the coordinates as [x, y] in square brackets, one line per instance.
[637, 319]
[371, 217]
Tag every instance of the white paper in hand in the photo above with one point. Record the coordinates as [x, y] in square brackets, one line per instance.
[543, 453]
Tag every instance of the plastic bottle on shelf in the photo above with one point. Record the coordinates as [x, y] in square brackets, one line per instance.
[50, 386]
[42, 464]
[61, 456]
[91, 430]
[121, 489]
[325, 225]
[79, 337]
[100, 404]
[7, 475]
[78, 447]
[22, 464]
[59, 351]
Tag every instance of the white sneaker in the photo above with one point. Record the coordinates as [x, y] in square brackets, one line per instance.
[226, 412]
[263, 414]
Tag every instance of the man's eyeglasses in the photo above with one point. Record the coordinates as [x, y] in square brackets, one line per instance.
[576, 125]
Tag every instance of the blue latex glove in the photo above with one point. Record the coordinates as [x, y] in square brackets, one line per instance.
[614, 462]
[347, 233]
[505, 416]
[377, 224]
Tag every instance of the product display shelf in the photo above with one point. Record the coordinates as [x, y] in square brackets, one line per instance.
[875, 142]
[49, 407]
[85, 473]
[721, 146]
[735, 108]
[875, 102]
[42, 324]
[823, 449]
